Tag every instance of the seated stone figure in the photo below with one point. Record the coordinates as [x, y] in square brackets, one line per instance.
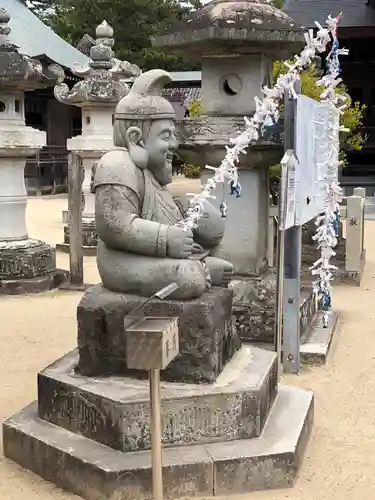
[141, 249]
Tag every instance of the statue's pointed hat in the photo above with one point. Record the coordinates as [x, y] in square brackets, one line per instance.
[145, 101]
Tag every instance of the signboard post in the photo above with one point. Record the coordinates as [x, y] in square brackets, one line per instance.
[301, 199]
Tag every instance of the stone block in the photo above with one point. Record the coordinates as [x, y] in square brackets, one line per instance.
[207, 337]
[54, 279]
[316, 341]
[89, 236]
[26, 259]
[255, 320]
[115, 411]
[97, 472]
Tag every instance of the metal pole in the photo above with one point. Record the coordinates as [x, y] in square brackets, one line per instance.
[279, 291]
[156, 457]
[292, 266]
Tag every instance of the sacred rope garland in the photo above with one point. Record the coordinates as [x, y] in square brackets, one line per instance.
[328, 223]
[266, 114]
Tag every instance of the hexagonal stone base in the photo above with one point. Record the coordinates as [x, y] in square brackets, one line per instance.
[26, 259]
[34, 285]
[115, 411]
[97, 472]
[28, 266]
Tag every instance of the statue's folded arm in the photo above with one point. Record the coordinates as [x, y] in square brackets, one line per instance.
[119, 223]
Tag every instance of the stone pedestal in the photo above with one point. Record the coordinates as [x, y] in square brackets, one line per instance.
[91, 436]
[226, 425]
[207, 338]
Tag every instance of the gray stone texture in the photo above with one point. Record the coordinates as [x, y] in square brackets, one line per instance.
[316, 340]
[89, 239]
[310, 254]
[115, 411]
[207, 337]
[254, 308]
[97, 472]
[43, 283]
[34, 258]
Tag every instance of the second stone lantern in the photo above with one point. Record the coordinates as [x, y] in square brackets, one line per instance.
[26, 264]
[236, 41]
[104, 84]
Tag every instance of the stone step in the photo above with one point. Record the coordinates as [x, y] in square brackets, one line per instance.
[245, 318]
[97, 472]
[316, 340]
[115, 410]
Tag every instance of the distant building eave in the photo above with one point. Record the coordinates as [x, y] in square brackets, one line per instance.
[356, 13]
[36, 39]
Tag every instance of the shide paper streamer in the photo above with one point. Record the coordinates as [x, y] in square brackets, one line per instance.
[328, 223]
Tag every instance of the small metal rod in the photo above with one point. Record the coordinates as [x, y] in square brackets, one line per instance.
[156, 454]
[279, 296]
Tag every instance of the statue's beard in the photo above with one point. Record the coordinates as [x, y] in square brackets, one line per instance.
[163, 175]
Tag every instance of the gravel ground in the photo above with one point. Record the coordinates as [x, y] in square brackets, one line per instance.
[339, 464]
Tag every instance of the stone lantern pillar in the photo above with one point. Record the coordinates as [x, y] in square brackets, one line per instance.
[236, 42]
[103, 85]
[26, 264]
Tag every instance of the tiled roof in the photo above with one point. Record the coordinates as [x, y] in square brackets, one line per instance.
[182, 95]
[355, 12]
[35, 39]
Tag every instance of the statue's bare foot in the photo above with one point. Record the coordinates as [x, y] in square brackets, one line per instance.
[221, 271]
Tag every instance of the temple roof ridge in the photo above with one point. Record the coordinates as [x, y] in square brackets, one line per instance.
[36, 39]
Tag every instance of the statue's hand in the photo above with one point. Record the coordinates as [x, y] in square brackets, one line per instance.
[179, 243]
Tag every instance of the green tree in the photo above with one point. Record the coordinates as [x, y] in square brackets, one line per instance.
[134, 23]
[39, 7]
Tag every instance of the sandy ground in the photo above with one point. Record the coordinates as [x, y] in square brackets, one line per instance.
[340, 462]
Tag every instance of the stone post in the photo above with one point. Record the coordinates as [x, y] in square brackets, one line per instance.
[359, 191]
[354, 233]
[26, 264]
[103, 85]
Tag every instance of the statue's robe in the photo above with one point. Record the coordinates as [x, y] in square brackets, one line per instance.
[133, 213]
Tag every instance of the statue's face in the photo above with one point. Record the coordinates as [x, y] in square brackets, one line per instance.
[160, 145]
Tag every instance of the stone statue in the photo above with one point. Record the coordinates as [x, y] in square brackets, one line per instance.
[141, 249]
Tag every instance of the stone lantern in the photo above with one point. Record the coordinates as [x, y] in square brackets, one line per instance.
[26, 264]
[104, 84]
[236, 42]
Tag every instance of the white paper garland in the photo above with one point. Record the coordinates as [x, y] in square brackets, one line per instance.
[328, 223]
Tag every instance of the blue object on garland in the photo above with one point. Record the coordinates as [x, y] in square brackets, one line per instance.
[325, 300]
[235, 188]
[223, 209]
[336, 222]
[333, 55]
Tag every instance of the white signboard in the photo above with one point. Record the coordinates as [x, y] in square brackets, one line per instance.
[311, 149]
[288, 190]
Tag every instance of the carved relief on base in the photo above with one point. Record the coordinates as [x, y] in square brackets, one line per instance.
[26, 260]
[89, 236]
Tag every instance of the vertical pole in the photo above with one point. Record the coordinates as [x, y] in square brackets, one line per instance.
[75, 221]
[279, 288]
[156, 457]
[292, 266]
